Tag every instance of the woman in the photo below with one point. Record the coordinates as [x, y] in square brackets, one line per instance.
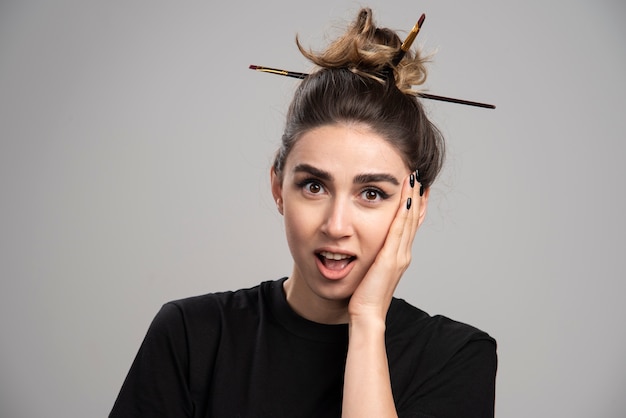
[352, 181]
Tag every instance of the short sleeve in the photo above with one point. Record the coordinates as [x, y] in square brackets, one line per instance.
[157, 384]
[464, 387]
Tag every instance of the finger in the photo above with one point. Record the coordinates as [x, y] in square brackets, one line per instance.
[418, 206]
[412, 219]
[399, 230]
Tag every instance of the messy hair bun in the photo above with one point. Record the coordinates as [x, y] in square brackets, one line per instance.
[359, 81]
[370, 51]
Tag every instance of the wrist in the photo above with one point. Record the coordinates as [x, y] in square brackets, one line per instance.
[367, 325]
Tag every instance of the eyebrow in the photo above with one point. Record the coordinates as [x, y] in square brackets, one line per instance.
[358, 179]
[376, 178]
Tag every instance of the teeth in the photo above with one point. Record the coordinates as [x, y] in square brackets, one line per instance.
[334, 256]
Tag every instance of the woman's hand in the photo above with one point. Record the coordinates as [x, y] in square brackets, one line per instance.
[367, 384]
[372, 297]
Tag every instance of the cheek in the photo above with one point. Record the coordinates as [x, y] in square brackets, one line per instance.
[298, 226]
[376, 235]
[373, 229]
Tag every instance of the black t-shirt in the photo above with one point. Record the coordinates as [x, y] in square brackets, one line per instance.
[248, 354]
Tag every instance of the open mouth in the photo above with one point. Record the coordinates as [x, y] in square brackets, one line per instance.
[335, 261]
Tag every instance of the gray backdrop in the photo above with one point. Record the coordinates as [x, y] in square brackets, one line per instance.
[134, 154]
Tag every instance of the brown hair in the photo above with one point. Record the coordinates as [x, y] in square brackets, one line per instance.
[358, 82]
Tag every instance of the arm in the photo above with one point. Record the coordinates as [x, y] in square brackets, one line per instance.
[367, 385]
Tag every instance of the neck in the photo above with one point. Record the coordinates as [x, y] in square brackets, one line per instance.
[316, 309]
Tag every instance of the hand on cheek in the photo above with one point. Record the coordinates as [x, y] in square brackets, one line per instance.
[373, 296]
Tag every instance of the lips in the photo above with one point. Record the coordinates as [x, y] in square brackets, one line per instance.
[334, 265]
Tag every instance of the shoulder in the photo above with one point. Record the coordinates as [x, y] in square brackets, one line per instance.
[217, 300]
[211, 309]
[407, 321]
[437, 340]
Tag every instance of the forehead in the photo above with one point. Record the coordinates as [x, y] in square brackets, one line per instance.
[352, 148]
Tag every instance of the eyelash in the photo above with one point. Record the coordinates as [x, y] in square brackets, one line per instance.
[381, 195]
[306, 183]
[309, 182]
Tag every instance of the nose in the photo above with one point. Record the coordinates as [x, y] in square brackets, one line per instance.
[338, 221]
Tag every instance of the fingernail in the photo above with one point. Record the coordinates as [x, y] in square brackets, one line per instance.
[417, 175]
[421, 190]
[412, 180]
[408, 203]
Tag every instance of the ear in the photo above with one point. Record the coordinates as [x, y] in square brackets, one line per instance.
[423, 206]
[277, 190]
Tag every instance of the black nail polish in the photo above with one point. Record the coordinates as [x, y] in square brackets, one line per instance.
[417, 175]
[408, 203]
[421, 190]
[412, 180]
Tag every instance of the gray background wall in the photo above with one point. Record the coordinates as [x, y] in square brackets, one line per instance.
[134, 154]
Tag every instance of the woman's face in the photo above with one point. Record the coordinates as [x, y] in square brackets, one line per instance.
[339, 192]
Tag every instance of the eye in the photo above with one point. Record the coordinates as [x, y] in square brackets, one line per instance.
[373, 195]
[311, 187]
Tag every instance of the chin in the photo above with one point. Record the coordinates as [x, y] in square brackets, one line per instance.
[337, 290]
